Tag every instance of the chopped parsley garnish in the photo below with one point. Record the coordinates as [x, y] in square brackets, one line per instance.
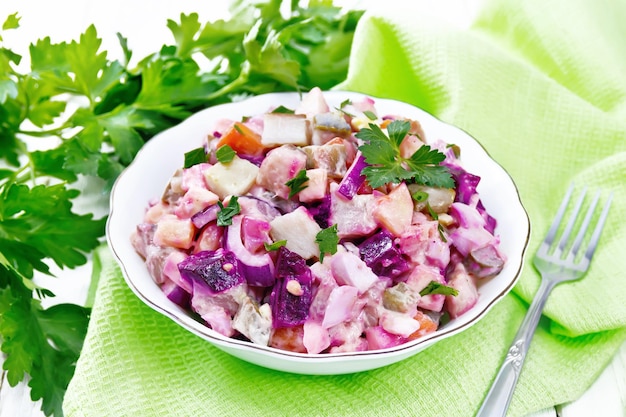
[387, 165]
[194, 157]
[225, 153]
[226, 214]
[370, 115]
[297, 183]
[238, 129]
[435, 216]
[327, 240]
[274, 246]
[343, 104]
[435, 287]
[283, 110]
[420, 196]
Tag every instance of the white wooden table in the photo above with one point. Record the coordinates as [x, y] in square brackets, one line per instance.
[142, 22]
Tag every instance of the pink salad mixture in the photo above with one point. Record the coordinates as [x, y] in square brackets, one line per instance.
[277, 237]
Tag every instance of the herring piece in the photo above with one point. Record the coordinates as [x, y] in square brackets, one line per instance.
[284, 128]
[299, 229]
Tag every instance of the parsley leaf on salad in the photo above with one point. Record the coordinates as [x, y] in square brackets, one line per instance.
[275, 245]
[297, 183]
[435, 287]
[194, 157]
[386, 164]
[327, 240]
[265, 46]
[226, 213]
[225, 153]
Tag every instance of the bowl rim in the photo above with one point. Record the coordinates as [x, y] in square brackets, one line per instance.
[222, 341]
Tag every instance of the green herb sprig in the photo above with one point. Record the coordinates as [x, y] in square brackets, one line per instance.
[386, 164]
[435, 287]
[225, 154]
[270, 247]
[226, 213]
[264, 46]
[195, 156]
[298, 183]
[327, 240]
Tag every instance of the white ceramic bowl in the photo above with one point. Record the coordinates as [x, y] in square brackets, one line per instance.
[146, 177]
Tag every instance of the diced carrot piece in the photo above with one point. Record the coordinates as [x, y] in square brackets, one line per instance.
[242, 139]
[288, 338]
[427, 325]
[385, 123]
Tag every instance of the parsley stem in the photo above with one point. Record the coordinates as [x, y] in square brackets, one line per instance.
[43, 133]
[240, 81]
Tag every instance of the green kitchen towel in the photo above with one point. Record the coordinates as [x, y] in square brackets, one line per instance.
[541, 85]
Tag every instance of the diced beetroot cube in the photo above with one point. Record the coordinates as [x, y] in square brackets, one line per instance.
[215, 270]
[292, 294]
[176, 294]
[381, 254]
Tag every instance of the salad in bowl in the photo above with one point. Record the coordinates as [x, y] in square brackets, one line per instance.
[328, 225]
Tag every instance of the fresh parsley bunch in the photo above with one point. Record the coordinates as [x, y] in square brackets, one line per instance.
[98, 113]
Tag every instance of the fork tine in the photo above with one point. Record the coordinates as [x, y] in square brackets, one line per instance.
[559, 216]
[570, 225]
[583, 228]
[598, 230]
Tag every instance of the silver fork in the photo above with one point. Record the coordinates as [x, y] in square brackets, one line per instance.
[555, 264]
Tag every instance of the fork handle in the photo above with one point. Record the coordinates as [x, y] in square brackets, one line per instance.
[499, 396]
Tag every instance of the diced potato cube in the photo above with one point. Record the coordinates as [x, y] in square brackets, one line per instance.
[315, 338]
[316, 186]
[419, 278]
[359, 123]
[353, 217]
[312, 103]
[279, 166]
[410, 144]
[195, 200]
[398, 323]
[155, 212]
[172, 231]
[299, 229]
[341, 302]
[233, 178]
[394, 211]
[467, 295]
